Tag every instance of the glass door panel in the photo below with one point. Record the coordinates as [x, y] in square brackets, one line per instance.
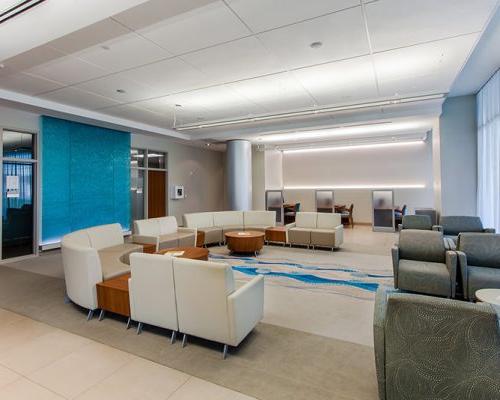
[17, 209]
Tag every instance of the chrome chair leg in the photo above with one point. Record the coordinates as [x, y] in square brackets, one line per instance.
[139, 328]
[172, 338]
[101, 315]
[128, 322]
[224, 352]
[90, 315]
[184, 339]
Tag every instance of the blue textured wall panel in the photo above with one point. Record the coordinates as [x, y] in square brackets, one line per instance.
[85, 177]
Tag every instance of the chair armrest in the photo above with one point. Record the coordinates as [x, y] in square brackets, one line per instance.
[489, 230]
[339, 235]
[438, 228]
[246, 308]
[287, 227]
[462, 264]
[451, 264]
[449, 244]
[186, 230]
[395, 263]
[400, 227]
[143, 239]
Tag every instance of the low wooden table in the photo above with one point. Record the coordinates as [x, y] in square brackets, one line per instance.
[245, 242]
[276, 234]
[113, 296]
[200, 239]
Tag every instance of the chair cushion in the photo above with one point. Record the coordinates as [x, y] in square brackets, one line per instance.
[306, 220]
[299, 236]
[199, 220]
[167, 225]
[328, 220]
[424, 277]
[212, 235]
[259, 218]
[228, 218]
[482, 249]
[417, 222]
[453, 225]
[482, 278]
[323, 237]
[105, 236]
[260, 228]
[77, 238]
[115, 260]
[421, 245]
[147, 227]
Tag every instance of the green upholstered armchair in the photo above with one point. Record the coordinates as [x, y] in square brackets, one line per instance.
[433, 348]
[479, 262]
[422, 222]
[451, 226]
[422, 264]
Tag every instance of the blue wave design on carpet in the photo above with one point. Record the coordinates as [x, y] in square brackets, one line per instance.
[308, 278]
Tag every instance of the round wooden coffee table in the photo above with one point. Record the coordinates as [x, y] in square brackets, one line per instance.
[245, 242]
[193, 253]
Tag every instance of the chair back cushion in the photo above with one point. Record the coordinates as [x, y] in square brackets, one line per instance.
[421, 245]
[167, 225]
[422, 222]
[453, 225]
[328, 220]
[482, 249]
[147, 227]
[202, 289]
[77, 238]
[228, 218]
[306, 219]
[199, 220]
[105, 236]
[152, 291]
[263, 218]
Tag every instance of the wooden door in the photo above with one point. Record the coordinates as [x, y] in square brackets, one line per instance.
[157, 198]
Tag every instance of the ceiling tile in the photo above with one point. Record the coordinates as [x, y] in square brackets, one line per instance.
[343, 35]
[124, 52]
[426, 68]
[341, 82]
[68, 70]
[138, 114]
[264, 14]
[196, 29]
[168, 76]
[241, 59]
[108, 86]
[399, 23]
[276, 93]
[27, 84]
[79, 98]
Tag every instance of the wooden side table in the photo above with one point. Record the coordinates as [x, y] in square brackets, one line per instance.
[276, 234]
[112, 295]
[149, 248]
[200, 238]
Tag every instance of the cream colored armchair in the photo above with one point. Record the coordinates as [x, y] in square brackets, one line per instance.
[164, 233]
[316, 230]
[209, 306]
[152, 292]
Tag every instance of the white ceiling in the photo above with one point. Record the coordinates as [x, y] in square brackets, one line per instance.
[242, 58]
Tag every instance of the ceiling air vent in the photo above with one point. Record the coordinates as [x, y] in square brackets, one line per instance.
[12, 8]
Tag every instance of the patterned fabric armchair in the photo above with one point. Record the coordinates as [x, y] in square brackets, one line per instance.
[422, 222]
[479, 261]
[452, 226]
[432, 348]
[422, 264]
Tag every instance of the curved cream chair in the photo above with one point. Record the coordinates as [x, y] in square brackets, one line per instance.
[152, 292]
[91, 256]
[163, 232]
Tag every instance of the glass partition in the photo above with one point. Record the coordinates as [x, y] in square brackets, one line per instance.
[383, 210]
[274, 202]
[324, 201]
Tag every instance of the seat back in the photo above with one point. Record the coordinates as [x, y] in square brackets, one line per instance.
[152, 290]
[264, 218]
[306, 219]
[453, 225]
[328, 220]
[228, 218]
[201, 290]
[167, 225]
[147, 227]
[482, 249]
[198, 220]
[105, 236]
[421, 245]
[422, 222]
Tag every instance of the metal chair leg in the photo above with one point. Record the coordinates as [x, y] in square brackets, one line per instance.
[128, 322]
[90, 315]
[172, 338]
[101, 315]
[139, 328]
[224, 352]
[184, 339]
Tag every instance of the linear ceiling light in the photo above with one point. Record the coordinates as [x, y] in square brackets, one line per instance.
[354, 187]
[312, 112]
[354, 147]
[14, 8]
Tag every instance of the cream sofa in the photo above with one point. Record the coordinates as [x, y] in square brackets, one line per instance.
[163, 232]
[316, 230]
[91, 256]
[215, 224]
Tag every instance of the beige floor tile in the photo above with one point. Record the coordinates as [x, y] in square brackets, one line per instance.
[7, 317]
[41, 351]
[7, 376]
[197, 389]
[23, 389]
[20, 332]
[80, 370]
[138, 380]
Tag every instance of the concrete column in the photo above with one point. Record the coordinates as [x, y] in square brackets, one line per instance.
[239, 174]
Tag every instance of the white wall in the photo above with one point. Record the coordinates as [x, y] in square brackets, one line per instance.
[458, 132]
[274, 169]
[258, 179]
[19, 120]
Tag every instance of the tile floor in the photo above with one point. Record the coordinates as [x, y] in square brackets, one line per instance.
[40, 362]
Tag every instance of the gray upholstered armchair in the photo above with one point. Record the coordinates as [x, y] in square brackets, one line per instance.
[451, 226]
[422, 222]
[422, 264]
[479, 262]
[433, 348]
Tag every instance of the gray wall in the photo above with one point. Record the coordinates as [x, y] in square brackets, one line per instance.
[201, 171]
[458, 133]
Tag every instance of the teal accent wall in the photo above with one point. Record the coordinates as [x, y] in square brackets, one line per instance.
[85, 177]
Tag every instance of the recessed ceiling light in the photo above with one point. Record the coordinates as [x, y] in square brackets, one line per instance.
[316, 45]
[121, 91]
[207, 144]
